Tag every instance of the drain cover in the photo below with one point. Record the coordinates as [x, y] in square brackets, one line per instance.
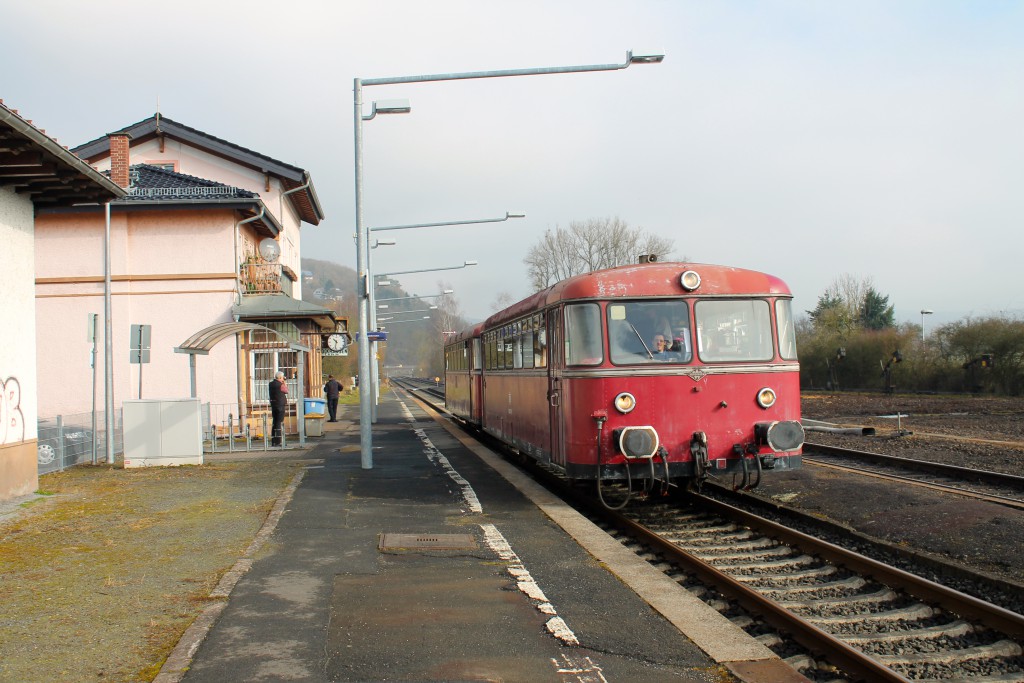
[427, 541]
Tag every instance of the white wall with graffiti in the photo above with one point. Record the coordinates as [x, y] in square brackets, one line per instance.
[17, 346]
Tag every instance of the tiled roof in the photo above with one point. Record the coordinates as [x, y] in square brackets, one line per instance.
[158, 126]
[152, 182]
[35, 165]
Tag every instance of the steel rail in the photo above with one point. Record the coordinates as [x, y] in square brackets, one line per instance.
[986, 476]
[849, 659]
[945, 488]
[993, 616]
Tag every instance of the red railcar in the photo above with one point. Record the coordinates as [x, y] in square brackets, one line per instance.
[652, 373]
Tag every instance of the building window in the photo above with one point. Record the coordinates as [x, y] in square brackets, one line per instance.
[265, 364]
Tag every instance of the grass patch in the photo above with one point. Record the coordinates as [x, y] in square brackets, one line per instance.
[120, 562]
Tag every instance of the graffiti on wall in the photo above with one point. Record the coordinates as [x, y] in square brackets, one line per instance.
[12, 422]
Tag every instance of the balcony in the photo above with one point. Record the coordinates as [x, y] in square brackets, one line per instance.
[260, 277]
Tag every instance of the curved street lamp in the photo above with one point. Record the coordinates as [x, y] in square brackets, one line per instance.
[362, 253]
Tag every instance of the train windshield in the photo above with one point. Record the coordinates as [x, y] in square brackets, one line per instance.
[649, 332]
[734, 330]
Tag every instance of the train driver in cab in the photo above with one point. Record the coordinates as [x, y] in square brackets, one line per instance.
[662, 348]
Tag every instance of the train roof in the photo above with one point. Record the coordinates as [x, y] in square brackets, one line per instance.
[465, 334]
[647, 279]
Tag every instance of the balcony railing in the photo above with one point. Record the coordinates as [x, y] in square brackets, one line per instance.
[260, 277]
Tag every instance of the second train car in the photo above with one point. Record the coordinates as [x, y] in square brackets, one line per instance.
[652, 375]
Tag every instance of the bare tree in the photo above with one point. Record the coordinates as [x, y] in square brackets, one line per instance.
[448, 317]
[503, 300]
[586, 246]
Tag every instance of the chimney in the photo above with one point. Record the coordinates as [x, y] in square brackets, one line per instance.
[119, 158]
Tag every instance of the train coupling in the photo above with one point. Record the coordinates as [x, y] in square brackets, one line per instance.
[766, 460]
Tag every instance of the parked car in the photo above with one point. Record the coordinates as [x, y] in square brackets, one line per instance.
[76, 448]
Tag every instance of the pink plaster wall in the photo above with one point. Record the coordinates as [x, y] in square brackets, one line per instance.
[193, 161]
[142, 244]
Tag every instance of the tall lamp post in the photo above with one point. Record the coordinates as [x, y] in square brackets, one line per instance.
[374, 372]
[924, 312]
[365, 410]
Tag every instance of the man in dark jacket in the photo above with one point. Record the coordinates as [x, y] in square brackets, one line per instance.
[331, 390]
[278, 405]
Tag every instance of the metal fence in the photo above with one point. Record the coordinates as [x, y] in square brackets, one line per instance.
[225, 431]
[68, 440]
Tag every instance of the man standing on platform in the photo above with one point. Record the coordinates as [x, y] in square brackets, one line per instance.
[332, 389]
[278, 405]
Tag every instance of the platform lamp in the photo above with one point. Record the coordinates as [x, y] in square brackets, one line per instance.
[374, 375]
[365, 426]
[374, 372]
[924, 312]
[374, 384]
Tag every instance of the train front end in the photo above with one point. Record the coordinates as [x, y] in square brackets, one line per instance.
[698, 378]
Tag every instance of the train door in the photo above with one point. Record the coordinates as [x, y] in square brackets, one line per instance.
[555, 352]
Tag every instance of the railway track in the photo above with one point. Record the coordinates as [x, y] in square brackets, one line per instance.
[851, 616]
[868, 620]
[995, 487]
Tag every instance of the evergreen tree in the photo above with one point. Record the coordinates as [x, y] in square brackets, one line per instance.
[875, 313]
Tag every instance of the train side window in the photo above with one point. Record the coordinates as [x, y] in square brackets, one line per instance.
[504, 349]
[489, 350]
[527, 343]
[540, 343]
[787, 331]
[517, 345]
[583, 335]
[509, 338]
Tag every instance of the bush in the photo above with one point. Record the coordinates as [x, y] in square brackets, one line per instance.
[952, 359]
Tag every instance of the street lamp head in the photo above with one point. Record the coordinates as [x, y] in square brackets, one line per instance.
[392, 106]
[515, 214]
[925, 311]
[384, 243]
[470, 263]
[448, 291]
[645, 56]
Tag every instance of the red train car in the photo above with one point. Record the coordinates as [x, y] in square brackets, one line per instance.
[651, 373]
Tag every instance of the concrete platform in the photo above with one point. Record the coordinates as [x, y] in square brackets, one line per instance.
[444, 563]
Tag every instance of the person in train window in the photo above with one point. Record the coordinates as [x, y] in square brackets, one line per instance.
[660, 344]
[663, 349]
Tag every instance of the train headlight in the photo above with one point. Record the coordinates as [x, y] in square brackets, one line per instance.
[637, 442]
[766, 397]
[625, 402]
[690, 280]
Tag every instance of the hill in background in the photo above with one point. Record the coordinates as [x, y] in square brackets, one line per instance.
[415, 344]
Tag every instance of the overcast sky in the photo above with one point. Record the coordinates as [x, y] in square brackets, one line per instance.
[807, 139]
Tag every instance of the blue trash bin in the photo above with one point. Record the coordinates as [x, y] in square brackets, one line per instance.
[315, 406]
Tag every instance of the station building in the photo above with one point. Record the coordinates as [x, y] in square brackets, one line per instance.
[205, 250]
[36, 174]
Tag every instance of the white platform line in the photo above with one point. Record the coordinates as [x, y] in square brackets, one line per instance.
[501, 547]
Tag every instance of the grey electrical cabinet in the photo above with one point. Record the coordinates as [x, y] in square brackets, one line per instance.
[161, 432]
